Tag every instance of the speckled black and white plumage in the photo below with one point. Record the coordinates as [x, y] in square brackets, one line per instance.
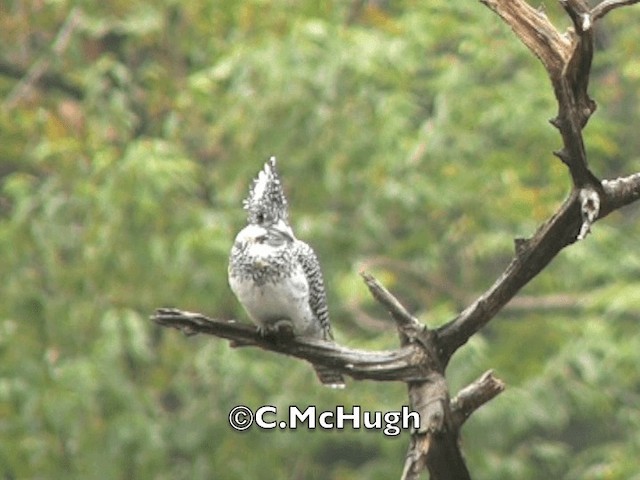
[275, 276]
[266, 203]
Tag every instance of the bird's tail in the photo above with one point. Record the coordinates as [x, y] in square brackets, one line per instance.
[329, 377]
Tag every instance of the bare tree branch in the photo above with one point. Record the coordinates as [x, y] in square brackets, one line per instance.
[409, 328]
[535, 30]
[531, 258]
[400, 314]
[608, 5]
[589, 201]
[473, 396]
[575, 107]
[567, 59]
[424, 353]
[620, 192]
[404, 364]
[48, 80]
[431, 284]
[546, 303]
[39, 69]
[436, 444]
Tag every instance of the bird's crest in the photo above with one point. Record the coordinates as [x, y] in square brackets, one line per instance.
[266, 203]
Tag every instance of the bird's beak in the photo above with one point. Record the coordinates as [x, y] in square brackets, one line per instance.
[283, 229]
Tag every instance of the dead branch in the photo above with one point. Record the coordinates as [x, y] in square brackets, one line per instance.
[473, 396]
[47, 80]
[404, 364]
[534, 30]
[38, 70]
[590, 200]
[424, 353]
[607, 6]
[435, 444]
[416, 362]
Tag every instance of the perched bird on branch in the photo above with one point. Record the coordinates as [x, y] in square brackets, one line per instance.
[275, 276]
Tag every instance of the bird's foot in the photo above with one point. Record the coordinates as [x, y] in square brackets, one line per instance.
[279, 330]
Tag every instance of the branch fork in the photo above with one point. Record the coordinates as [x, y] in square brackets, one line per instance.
[424, 353]
[416, 362]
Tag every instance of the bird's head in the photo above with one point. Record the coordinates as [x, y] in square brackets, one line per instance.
[266, 204]
[275, 235]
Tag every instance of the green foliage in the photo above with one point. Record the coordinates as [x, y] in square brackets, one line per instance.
[413, 141]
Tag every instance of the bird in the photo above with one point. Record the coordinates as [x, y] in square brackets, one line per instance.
[275, 276]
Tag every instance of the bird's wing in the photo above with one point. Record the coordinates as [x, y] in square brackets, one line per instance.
[317, 294]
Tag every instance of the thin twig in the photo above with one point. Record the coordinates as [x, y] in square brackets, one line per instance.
[48, 80]
[40, 67]
[473, 396]
[399, 313]
[607, 6]
[557, 233]
[409, 328]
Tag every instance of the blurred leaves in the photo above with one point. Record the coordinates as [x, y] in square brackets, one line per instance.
[413, 141]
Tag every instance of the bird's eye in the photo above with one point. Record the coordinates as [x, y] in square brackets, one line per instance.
[260, 217]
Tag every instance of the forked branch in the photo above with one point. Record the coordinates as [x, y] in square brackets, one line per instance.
[434, 444]
[591, 199]
[531, 257]
[404, 364]
[424, 354]
[607, 6]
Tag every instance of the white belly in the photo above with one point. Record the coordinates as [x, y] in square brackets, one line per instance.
[269, 303]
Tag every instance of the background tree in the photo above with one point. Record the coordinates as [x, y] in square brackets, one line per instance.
[123, 167]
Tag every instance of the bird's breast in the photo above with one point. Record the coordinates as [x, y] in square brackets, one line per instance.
[272, 301]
